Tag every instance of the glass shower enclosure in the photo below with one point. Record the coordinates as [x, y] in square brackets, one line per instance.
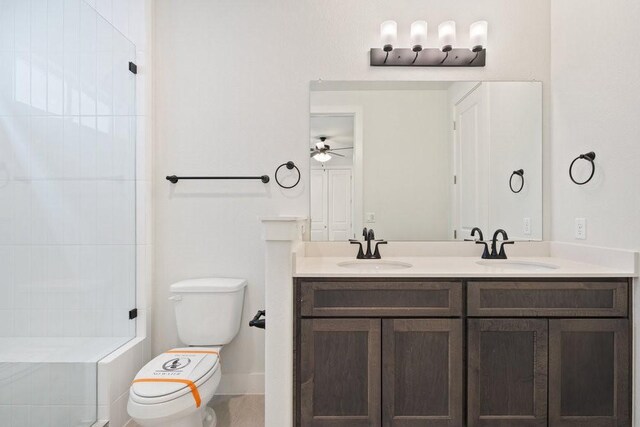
[67, 207]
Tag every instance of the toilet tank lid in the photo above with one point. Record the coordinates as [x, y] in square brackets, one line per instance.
[209, 284]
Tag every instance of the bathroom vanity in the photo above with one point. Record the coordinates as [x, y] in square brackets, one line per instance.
[431, 335]
[490, 347]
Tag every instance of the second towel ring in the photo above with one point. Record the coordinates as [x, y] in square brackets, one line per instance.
[590, 156]
[520, 173]
[289, 165]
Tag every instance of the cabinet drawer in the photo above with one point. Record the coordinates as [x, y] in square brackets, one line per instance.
[403, 298]
[589, 298]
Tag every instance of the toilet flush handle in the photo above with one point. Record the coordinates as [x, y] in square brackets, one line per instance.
[175, 298]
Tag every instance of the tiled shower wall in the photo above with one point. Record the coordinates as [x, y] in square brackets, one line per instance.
[75, 203]
[67, 227]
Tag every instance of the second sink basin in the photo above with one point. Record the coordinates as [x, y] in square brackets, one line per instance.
[374, 265]
[505, 264]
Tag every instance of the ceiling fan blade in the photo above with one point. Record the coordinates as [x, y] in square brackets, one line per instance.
[335, 154]
[344, 148]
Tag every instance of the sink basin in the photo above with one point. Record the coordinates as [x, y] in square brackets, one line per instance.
[374, 265]
[505, 264]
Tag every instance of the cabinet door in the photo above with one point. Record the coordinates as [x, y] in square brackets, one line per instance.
[340, 373]
[507, 378]
[422, 372]
[589, 373]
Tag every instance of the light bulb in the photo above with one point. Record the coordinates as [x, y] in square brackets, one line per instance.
[322, 157]
[478, 34]
[447, 35]
[418, 35]
[388, 34]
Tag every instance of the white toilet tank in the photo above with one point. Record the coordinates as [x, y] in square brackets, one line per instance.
[209, 310]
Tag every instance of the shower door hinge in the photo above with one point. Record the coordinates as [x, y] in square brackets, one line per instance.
[133, 313]
[133, 68]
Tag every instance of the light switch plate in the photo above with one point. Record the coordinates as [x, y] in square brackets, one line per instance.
[370, 217]
[581, 229]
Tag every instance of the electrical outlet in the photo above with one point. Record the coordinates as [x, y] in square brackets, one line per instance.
[581, 229]
[526, 226]
[370, 217]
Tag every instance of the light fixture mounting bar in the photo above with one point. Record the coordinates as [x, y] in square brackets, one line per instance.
[430, 57]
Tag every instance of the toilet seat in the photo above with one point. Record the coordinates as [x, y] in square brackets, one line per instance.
[174, 374]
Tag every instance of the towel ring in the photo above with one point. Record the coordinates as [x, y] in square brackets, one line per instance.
[289, 165]
[520, 173]
[590, 156]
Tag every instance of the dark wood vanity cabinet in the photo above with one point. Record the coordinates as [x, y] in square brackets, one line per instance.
[548, 352]
[589, 372]
[508, 367]
[340, 372]
[422, 372]
[477, 353]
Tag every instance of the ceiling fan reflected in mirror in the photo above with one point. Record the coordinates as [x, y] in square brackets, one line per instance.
[322, 151]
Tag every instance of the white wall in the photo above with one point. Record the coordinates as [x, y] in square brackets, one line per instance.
[406, 167]
[596, 107]
[516, 133]
[514, 141]
[232, 96]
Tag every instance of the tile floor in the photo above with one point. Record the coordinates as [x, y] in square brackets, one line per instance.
[238, 411]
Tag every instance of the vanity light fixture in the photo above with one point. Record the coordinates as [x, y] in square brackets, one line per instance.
[447, 35]
[447, 55]
[418, 37]
[388, 36]
[478, 35]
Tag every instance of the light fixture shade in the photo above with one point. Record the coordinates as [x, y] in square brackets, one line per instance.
[418, 35]
[447, 35]
[388, 34]
[322, 157]
[478, 34]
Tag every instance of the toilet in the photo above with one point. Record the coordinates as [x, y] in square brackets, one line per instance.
[173, 389]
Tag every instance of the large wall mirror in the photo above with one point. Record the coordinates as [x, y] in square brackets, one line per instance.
[425, 160]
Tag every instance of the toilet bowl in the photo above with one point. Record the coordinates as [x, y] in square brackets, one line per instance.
[173, 389]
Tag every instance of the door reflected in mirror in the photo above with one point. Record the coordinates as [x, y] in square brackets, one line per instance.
[425, 160]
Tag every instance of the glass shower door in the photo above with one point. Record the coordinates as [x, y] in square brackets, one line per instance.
[67, 207]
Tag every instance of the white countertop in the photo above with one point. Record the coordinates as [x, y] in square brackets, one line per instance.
[453, 267]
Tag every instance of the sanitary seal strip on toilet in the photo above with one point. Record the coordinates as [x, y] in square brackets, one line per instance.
[173, 372]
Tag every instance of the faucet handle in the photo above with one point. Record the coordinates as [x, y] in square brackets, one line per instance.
[376, 253]
[360, 251]
[503, 254]
[485, 252]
